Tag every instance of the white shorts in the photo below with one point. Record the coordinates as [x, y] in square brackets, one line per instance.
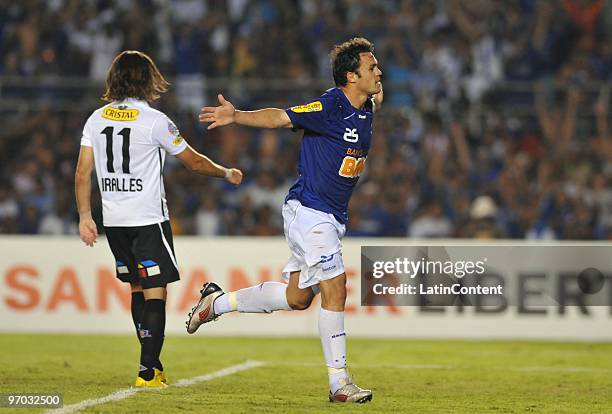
[314, 240]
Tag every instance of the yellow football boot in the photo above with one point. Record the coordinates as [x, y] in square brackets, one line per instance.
[160, 374]
[153, 383]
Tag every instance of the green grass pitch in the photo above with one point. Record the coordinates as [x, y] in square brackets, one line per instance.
[410, 376]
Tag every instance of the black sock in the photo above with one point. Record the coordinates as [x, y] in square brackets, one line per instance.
[152, 330]
[138, 302]
[159, 364]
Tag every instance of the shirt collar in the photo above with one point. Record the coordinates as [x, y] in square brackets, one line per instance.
[339, 92]
[131, 102]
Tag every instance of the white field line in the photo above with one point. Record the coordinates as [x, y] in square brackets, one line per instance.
[127, 392]
[439, 366]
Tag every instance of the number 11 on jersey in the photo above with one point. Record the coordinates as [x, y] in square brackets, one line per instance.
[125, 149]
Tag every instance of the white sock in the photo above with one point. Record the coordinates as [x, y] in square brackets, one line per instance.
[266, 297]
[333, 340]
[223, 304]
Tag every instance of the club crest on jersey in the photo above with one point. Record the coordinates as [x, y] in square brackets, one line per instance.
[316, 106]
[148, 268]
[118, 114]
[172, 128]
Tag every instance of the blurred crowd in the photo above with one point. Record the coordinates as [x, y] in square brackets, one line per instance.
[494, 125]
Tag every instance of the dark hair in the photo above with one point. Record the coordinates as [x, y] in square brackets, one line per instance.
[345, 58]
[134, 75]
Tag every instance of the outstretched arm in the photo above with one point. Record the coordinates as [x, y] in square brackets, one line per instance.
[201, 164]
[82, 189]
[226, 114]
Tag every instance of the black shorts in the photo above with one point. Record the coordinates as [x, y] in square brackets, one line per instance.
[144, 255]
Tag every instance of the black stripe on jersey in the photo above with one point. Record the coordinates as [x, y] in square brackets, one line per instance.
[161, 181]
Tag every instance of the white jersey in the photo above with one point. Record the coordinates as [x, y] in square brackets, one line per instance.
[130, 140]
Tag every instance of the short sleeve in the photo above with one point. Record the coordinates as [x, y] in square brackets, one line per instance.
[311, 116]
[166, 135]
[86, 137]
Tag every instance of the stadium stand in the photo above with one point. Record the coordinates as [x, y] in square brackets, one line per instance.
[495, 122]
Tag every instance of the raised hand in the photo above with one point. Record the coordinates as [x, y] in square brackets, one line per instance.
[218, 115]
[378, 97]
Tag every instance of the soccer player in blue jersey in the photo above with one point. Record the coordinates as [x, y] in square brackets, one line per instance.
[337, 137]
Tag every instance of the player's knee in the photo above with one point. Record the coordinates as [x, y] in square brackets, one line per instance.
[298, 303]
[155, 293]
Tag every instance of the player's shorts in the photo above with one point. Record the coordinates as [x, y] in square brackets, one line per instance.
[314, 240]
[144, 255]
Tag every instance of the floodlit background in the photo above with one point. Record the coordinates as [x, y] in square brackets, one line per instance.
[495, 121]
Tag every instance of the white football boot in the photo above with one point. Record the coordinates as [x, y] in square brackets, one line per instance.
[204, 312]
[350, 392]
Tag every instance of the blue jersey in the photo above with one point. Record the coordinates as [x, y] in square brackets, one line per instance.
[333, 152]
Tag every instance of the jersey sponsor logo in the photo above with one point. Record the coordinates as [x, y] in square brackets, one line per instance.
[352, 167]
[121, 185]
[117, 114]
[177, 141]
[354, 152]
[316, 106]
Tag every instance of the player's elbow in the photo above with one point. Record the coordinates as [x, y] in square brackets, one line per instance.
[82, 177]
[281, 119]
[200, 165]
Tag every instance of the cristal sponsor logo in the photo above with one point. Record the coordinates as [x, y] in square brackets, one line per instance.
[117, 114]
[362, 117]
[316, 106]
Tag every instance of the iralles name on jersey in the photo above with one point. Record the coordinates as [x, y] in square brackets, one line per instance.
[127, 185]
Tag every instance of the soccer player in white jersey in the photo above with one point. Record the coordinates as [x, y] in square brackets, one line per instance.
[337, 136]
[127, 141]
